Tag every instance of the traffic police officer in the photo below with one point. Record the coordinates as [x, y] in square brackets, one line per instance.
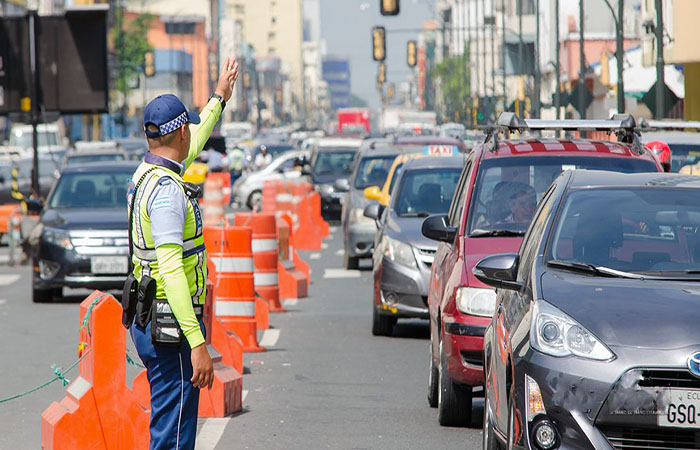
[169, 248]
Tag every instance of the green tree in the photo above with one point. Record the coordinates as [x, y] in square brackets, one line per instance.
[454, 78]
[130, 46]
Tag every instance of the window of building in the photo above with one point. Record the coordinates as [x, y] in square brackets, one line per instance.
[179, 27]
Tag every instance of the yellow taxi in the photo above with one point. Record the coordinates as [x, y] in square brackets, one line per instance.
[196, 173]
[383, 195]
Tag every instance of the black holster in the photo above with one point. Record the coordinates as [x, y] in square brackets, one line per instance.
[129, 300]
[146, 295]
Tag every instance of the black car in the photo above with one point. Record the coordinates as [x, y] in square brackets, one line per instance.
[594, 343]
[83, 239]
[329, 168]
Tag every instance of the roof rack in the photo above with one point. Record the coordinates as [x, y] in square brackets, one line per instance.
[618, 122]
[623, 125]
[650, 125]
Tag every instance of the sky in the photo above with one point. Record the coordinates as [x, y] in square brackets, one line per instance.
[346, 29]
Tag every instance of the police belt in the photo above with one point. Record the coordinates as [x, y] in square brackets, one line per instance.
[198, 309]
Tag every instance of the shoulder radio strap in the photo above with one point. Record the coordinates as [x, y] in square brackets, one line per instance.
[131, 218]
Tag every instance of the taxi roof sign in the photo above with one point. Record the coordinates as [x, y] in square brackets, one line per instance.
[441, 150]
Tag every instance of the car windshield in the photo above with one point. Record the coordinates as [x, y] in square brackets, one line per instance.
[24, 140]
[47, 167]
[652, 230]
[333, 163]
[373, 171]
[684, 155]
[426, 191]
[81, 159]
[507, 189]
[91, 190]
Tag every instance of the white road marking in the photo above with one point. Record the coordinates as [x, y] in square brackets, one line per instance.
[324, 246]
[340, 252]
[211, 432]
[270, 337]
[333, 229]
[315, 256]
[341, 273]
[243, 396]
[289, 302]
[2, 301]
[8, 279]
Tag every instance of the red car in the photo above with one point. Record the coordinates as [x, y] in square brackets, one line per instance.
[495, 198]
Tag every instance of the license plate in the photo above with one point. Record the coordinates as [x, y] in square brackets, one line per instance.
[682, 410]
[109, 264]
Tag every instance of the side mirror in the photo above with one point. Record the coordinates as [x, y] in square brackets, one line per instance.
[374, 211]
[373, 193]
[35, 205]
[435, 227]
[342, 185]
[499, 270]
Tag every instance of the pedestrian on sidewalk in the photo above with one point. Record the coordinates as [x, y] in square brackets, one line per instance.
[170, 257]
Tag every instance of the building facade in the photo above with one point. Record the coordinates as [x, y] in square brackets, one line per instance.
[336, 72]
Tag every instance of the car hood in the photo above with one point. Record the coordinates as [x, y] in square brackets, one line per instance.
[626, 312]
[408, 229]
[86, 218]
[477, 249]
[325, 179]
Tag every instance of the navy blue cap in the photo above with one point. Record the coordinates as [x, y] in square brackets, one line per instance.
[168, 113]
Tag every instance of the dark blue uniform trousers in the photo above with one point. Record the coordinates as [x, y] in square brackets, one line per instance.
[174, 400]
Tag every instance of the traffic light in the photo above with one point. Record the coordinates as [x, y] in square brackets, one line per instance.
[149, 66]
[381, 73]
[389, 7]
[412, 54]
[378, 43]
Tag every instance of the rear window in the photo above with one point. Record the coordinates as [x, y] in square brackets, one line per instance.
[373, 171]
[82, 159]
[507, 189]
[425, 192]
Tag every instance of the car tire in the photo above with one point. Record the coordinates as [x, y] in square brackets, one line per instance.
[490, 441]
[382, 325]
[45, 295]
[433, 383]
[454, 401]
[351, 262]
[255, 200]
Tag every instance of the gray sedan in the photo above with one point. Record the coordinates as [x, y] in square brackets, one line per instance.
[403, 257]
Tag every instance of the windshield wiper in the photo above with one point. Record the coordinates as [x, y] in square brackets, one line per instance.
[415, 214]
[597, 270]
[482, 233]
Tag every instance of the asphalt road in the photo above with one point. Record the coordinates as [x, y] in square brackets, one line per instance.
[324, 383]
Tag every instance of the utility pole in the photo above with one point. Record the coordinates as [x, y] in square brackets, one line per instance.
[660, 79]
[557, 65]
[33, 18]
[257, 92]
[468, 59]
[520, 47]
[477, 75]
[582, 62]
[493, 55]
[620, 56]
[538, 73]
[503, 53]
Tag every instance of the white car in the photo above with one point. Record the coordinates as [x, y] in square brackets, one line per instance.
[247, 190]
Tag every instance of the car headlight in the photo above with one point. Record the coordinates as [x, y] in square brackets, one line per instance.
[58, 237]
[357, 215]
[476, 301]
[556, 334]
[399, 252]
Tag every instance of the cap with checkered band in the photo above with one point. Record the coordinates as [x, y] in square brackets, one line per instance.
[168, 113]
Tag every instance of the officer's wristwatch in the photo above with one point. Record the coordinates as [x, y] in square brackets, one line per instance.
[220, 100]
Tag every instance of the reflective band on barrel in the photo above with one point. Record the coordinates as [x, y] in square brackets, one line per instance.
[264, 245]
[265, 279]
[284, 198]
[227, 308]
[226, 190]
[233, 265]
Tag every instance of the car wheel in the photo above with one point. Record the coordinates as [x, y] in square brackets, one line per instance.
[45, 295]
[454, 401]
[433, 376]
[255, 200]
[382, 325]
[490, 442]
[351, 262]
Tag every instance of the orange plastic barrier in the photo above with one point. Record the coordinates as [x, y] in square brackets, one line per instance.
[316, 215]
[99, 411]
[293, 284]
[213, 202]
[6, 213]
[265, 255]
[229, 249]
[269, 193]
[225, 183]
[226, 394]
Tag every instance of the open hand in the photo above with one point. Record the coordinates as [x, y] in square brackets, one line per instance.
[227, 78]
